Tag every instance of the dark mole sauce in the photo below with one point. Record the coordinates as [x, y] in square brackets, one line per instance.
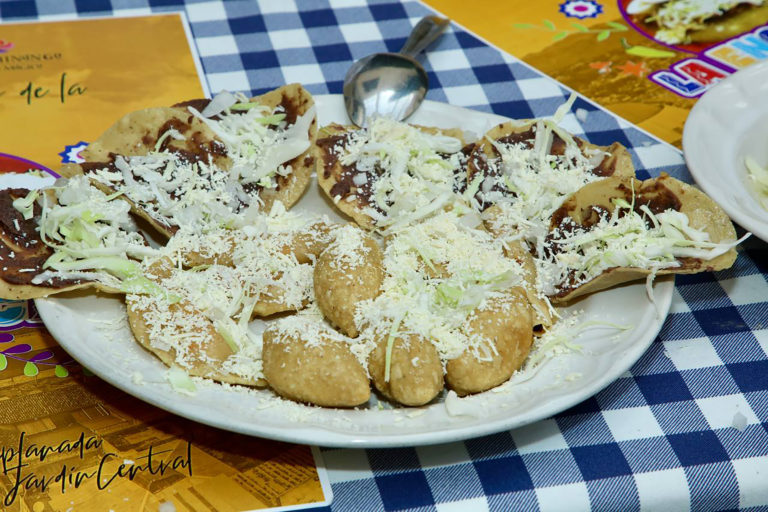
[658, 198]
[198, 148]
[330, 155]
[291, 106]
[12, 217]
[566, 225]
[332, 147]
[460, 174]
[198, 104]
[364, 191]
[526, 138]
[89, 167]
[29, 252]
[171, 124]
[606, 167]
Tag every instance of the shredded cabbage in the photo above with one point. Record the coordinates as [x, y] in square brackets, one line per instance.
[437, 273]
[258, 153]
[180, 381]
[758, 175]
[90, 231]
[528, 184]
[25, 205]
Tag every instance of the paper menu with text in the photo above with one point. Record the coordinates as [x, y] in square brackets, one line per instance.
[71, 442]
[619, 59]
[65, 82]
[68, 440]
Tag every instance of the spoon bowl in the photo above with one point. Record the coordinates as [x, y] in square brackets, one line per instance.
[388, 84]
[391, 84]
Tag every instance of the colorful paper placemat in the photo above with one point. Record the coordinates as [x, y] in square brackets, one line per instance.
[68, 440]
[612, 57]
[63, 83]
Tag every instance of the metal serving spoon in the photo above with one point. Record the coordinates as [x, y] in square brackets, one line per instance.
[391, 84]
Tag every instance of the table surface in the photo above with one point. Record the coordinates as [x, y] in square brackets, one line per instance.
[662, 437]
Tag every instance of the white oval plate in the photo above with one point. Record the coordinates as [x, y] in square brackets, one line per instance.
[727, 124]
[93, 329]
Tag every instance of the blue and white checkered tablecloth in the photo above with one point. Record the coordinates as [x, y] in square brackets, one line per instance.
[662, 436]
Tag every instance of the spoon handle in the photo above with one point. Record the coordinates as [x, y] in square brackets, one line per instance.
[427, 30]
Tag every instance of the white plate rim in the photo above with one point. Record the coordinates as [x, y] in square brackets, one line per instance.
[709, 127]
[53, 311]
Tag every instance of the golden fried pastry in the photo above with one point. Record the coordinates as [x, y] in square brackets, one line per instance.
[274, 265]
[220, 253]
[543, 312]
[272, 300]
[307, 244]
[204, 350]
[504, 328]
[347, 272]
[414, 375]
[314, 364]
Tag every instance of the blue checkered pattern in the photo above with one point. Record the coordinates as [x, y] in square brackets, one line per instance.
[661, 437]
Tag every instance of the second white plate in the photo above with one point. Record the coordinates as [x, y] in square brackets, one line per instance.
[729, 123]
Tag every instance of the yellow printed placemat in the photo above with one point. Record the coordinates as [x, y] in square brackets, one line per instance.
[68, 440]
[634, 57]
[67, 79]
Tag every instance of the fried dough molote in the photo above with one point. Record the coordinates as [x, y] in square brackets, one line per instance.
[412, 374]
[204, 350]
[180, 334]
[503, 327]
[271, 275]
[452, 289]
[347, 272]
[544, 314]
[306, 361]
